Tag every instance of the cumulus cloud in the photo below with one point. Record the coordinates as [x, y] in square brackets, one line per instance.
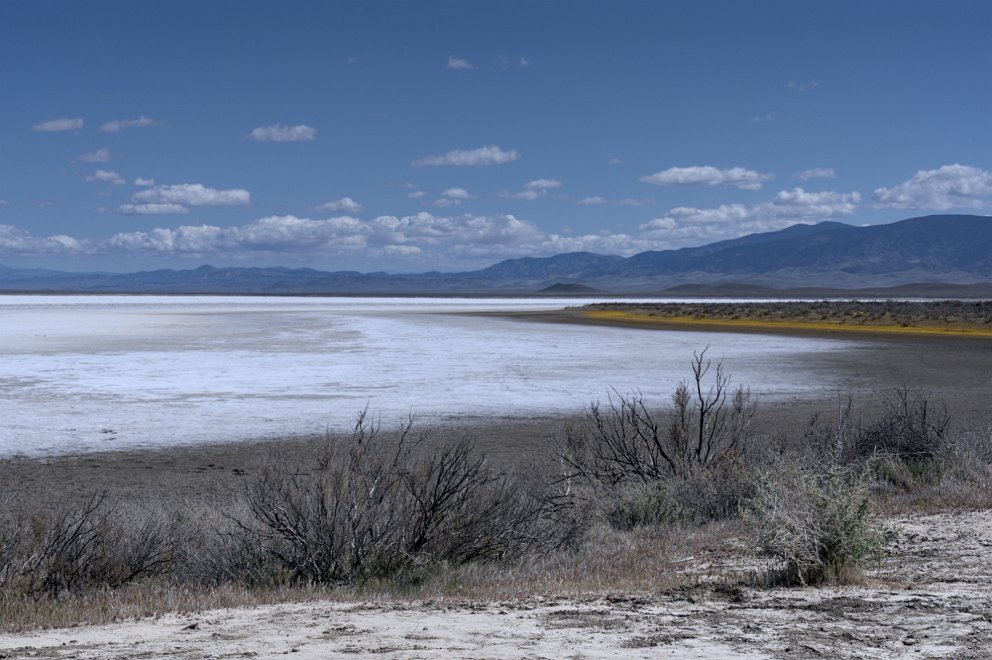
[533, 189]
[488, 155]
[345, 204]
[526, 194]
[62, 124]
[416, 194]
[427, 238]
[280, 133]
[105, 176]
[192, 194]
[144, 182]
[452, 197]
[465, 234]
[592, 201]
[788, 207]
[542, 184]
[151, 209]
[118, 125]
[815, 173]
[15, 241]
[705, 175]
[458, 63]
[98, 156]
[947, 187]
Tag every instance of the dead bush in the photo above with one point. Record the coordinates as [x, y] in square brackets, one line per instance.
[912, 427]
[376, 507]
[684, 463]
[90, 546]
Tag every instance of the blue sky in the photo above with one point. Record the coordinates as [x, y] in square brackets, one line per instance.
[411, 136]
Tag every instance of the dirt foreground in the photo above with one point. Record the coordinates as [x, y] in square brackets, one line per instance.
[931, 596]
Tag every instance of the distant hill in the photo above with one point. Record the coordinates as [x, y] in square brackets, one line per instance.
[569, 289]
[924, 254]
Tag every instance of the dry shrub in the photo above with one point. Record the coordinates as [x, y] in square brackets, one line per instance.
[714, 493]
[91, 546]
[647, 467]
[912, 428]
[373, 507]
[816, 522]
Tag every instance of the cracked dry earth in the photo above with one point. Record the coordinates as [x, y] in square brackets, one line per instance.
[930, 597]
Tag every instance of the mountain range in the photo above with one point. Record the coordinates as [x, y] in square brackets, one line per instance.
[937, 253]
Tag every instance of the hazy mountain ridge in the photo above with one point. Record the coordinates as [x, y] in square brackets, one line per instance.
[954, 249]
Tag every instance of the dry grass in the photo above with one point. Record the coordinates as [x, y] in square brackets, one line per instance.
[944, 318]
[214, 562]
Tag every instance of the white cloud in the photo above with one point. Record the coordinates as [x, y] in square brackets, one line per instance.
[280, 133]
[684, 225]
[614, 161]
[465, 234]
[452, 197]
[947, 187]
[445, 202]
[416, 194]
[803, 86]
[98, 156]
[144, 182]
[764, 119]
[529, 195]
[591, 201]
[14, 241]
[427, 239]
[815, 173]
[104, 176]
[118, 125]
[705, 175]
[526, 62]
[488, 155]
[151, 209]
[533, 189]
[402, 249]
[192, 194]
[63, 124]
[543, 184]
[345, 204]
[630, 201]
[458, 63]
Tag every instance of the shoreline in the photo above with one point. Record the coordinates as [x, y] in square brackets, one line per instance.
[645, 321]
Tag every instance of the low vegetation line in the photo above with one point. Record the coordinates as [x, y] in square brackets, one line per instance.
[634, 487]
[967, 319]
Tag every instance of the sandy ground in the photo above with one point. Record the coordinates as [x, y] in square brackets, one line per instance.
[931, 596]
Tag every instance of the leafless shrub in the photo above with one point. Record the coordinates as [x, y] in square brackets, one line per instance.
[674, 462]
[816, 522]
[211, 550]
[629, 442]
[375, 507]
[90, 546]
[912, 428]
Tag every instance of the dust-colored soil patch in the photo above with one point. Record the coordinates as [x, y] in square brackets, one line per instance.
[931, 596]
